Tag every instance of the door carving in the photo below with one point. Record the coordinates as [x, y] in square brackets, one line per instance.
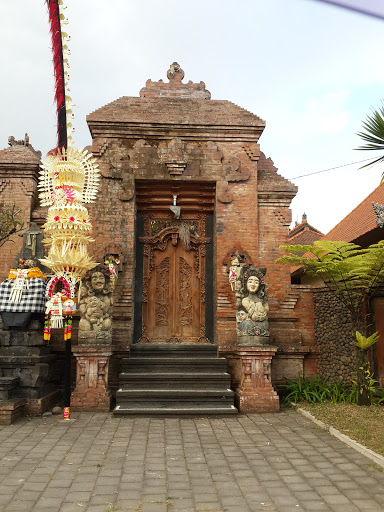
[173, 284]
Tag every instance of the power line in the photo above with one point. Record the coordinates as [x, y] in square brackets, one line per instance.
[330, 169]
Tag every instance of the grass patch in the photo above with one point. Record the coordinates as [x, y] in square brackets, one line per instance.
[363, 424]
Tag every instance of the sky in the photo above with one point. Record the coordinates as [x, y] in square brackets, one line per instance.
[312, 71]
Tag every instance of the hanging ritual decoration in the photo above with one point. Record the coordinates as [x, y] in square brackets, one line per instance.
[234, 272]
[112, 263]
[69, 177]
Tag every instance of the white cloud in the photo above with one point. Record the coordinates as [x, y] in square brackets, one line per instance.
[325, 114]
[304, 67]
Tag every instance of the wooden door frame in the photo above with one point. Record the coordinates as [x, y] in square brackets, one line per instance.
[147, 243]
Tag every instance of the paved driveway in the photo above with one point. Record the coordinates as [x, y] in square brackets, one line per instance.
[98, 463]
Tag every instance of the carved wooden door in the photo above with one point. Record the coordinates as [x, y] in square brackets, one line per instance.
[173, 289]
[173, 293]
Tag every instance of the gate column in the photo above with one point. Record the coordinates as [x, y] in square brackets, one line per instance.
[91, 392]
[255, 393]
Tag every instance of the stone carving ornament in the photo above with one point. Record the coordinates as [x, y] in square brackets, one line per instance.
[96, 306]
[170, 158]
[252, 326]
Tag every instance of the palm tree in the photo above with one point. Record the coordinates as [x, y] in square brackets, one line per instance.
[374, 137]
[374, 134]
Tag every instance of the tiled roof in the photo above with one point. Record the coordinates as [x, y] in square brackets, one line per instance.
[304, 233]
[302, 226]
[305, 237]
[359, 221]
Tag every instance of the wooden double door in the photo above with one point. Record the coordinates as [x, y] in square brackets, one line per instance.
[174, 291]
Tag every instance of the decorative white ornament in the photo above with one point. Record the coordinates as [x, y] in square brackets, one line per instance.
[18, 286]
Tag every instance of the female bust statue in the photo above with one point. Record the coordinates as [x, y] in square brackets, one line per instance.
[254, 303]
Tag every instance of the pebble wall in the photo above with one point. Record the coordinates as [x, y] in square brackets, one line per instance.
[334, 338]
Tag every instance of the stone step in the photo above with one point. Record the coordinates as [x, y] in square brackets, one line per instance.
[174, 379]
[174, 394]
[170, 351]
[143, 380]
[173, 364]
[189, 409]
[8, 387]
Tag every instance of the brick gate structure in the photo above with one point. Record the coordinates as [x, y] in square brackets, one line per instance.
[174, 156]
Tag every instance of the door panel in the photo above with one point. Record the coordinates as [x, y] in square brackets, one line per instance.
[173, 305]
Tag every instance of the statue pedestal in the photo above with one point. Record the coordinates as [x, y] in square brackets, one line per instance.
[91, 392]
[255, 393]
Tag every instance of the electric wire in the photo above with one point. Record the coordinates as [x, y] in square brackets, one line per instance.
[331, 169]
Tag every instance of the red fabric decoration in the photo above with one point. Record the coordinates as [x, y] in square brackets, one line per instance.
[57, 49]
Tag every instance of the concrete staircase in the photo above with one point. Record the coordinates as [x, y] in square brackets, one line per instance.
[174, 379]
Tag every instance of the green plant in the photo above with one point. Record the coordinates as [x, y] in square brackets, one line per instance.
[365, 382]
[374, 134]
[352, 274]
[316, 390]
[374, 392]
[365, 343]
[303, 389]
[9, 222]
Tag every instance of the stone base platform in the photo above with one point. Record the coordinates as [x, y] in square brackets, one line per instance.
[255, 393]
[91, 392]
[38, 406]
[11, 410]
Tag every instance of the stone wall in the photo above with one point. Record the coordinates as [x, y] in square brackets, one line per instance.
[28, 368]
[334, 338]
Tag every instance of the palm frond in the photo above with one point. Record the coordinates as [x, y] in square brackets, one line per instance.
[374, 131]
[349, 271]
[373, 135]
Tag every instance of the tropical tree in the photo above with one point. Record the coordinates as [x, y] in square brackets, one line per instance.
[374, 134]
[9, 222]
[351, 274]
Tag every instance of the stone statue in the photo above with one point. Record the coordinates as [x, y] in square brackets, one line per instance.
[33, 247]
[252, 326]
[96, 307]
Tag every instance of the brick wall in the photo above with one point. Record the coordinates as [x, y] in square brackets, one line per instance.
[114, 231]
[19, 167]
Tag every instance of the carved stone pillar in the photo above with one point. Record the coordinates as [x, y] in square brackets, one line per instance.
[255, 393]
[91, 392]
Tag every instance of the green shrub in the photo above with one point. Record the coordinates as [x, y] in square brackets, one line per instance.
[317, 390]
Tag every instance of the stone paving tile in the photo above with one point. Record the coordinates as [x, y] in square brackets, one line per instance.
[4, 499]
[154, 507]
[275, 462]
